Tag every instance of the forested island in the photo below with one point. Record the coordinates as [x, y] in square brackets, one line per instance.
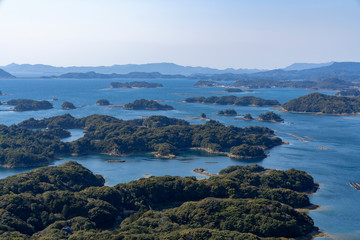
[233, 90]
[227, 112]
[233, 100]
[264, 117]
[29, 105]
[108, 135]
[323, 104]
[135, 85]
[349, 93]
[68, 106]
[102, 102]
[202, 83]
[70, 202]
[143, 104]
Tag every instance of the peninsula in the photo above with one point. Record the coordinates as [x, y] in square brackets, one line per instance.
[241, 202]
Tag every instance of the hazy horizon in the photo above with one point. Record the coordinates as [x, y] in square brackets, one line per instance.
[227, 34]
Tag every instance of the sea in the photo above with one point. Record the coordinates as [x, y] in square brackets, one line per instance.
[327, 147]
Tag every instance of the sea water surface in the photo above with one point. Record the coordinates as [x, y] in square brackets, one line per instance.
[333, 168]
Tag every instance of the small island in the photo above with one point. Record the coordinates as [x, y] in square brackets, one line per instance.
[22, 105]
[270, 117]
[264, 117]
[102, 102]
[233, 100]
[5, 75]
[319, 103]
[143, 104]
[68, 106]
[135, 85]
[233, 90]
[227, 112]
[58, 132]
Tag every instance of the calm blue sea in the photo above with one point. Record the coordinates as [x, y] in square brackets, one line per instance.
[339, 215]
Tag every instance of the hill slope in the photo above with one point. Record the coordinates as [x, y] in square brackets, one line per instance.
[4, 74]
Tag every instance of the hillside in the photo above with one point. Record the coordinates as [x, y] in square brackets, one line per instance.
[4, 74]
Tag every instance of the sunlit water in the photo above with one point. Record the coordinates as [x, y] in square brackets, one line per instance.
[339, 214]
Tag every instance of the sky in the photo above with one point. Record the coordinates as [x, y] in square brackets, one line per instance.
[262, 34]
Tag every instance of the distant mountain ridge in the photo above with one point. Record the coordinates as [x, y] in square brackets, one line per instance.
[94, 75]
[347, 71]
[304, 66]
[37, 70]
[4, 74]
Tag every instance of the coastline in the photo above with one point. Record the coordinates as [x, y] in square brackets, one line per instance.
[319, 113]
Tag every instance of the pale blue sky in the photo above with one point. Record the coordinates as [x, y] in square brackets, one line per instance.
[213, 33]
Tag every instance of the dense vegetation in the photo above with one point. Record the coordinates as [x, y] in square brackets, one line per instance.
[70, 202]
[202, 83]
[233, 100]
[143, 104]
[321, 103]
[102, 102]
[227, 112]
[68, 106]
[29, 105]
[349, 93]
[135, 85]
[233, 90]
[270, 117]
[329, 83]
[109, 135]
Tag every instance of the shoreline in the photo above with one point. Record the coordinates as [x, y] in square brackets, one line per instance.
[208, 150]
[258, 120]
[319, 113]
